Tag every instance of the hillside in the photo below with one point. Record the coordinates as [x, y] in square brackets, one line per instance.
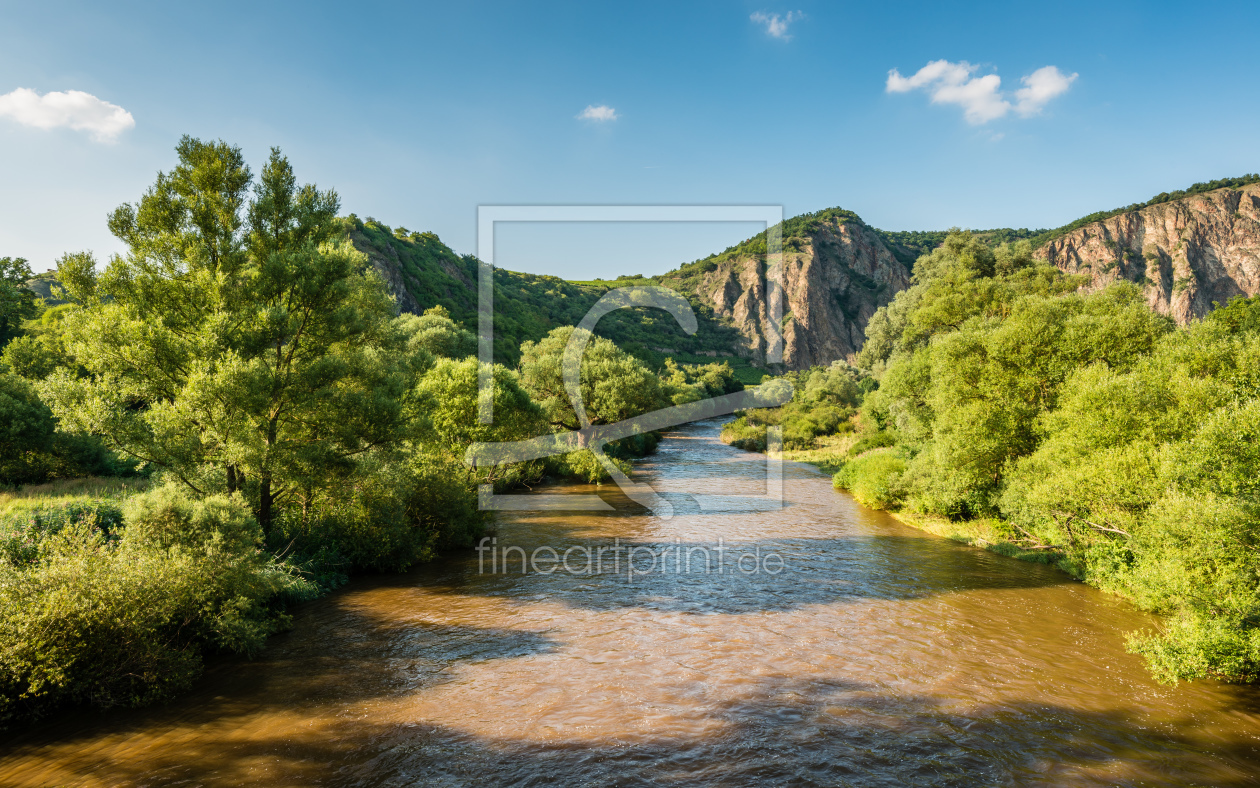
[422, 272]
[1187, 249]
[836, 272]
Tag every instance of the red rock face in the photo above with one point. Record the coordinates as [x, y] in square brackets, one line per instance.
[1185, 255]
[832, 284]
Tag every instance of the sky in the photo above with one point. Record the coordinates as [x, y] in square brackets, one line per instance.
[914, 115]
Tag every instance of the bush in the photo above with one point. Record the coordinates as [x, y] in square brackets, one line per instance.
[874, 480]
[743, 434]
[122, 617]
[25, 526]
[875, 440]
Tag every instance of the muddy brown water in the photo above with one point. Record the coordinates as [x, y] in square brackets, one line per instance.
[877, 655]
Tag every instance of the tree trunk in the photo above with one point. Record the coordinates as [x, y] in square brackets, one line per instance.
[231, 479]
[264, 504]
[264, 483]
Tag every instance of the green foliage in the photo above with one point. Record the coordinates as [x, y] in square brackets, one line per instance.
[614, 385]
[1239, 315]
[1098, 433]
[908, 245]
[873, 440]
[236, 335]
[112, 616]
[23, 528]
[822, 405]
[77, 274]
[16, 302]
[40, 350]
[435, 333]
[875, 479]
[34, 356]
[692, 382]
[961, 279]
[31, 448]
[26, 428]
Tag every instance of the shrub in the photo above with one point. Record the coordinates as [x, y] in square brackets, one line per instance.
[874, 480]
[876, 440]
[122, 618]
[742, 434]
[26, 524]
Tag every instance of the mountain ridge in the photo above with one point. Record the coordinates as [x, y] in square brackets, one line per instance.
[1188, 250]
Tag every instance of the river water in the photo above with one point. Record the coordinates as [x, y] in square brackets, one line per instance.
[835, 647]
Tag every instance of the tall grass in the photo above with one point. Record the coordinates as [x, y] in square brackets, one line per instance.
[66, 490]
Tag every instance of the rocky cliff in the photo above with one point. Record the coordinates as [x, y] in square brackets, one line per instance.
[1185, 254]
[836, 272]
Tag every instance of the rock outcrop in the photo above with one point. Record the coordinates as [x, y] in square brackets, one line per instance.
[1186, 254]
[387, 264]
[834, 278]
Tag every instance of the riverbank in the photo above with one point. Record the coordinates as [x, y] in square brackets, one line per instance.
[879, 651]
[984, 533]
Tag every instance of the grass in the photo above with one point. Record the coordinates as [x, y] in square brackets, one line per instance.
[986, 533]
[831, 452]
[66, 490]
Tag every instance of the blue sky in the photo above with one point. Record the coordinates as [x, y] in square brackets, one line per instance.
[418, 113]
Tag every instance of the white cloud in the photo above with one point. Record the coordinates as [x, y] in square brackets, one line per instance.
[981, 97]
[1039, 87]
[72, 109]
[776, 26]
[600, 114]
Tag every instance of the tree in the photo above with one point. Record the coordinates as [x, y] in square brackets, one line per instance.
[26, 431]
[236, 345]
[436, 333]
[16, 302]
[614, 385]
[77, 273]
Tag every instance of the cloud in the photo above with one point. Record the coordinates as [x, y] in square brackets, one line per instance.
[981, 97]
[1039, 87]
[600, 114]
[776, 26]
[72, 109]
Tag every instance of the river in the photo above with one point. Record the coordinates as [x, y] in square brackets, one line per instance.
[845, 649]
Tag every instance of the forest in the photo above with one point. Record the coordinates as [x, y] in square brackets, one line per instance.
[233, 417]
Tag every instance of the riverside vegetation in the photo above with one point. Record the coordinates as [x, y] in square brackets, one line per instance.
[273, 422]
[1085, 431]
[263, 422]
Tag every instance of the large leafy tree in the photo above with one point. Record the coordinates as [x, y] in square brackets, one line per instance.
[16, 302]
[26, 430]
[236, 345]
[614, 385]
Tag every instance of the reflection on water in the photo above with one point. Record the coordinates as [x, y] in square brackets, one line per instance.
[878, 656]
